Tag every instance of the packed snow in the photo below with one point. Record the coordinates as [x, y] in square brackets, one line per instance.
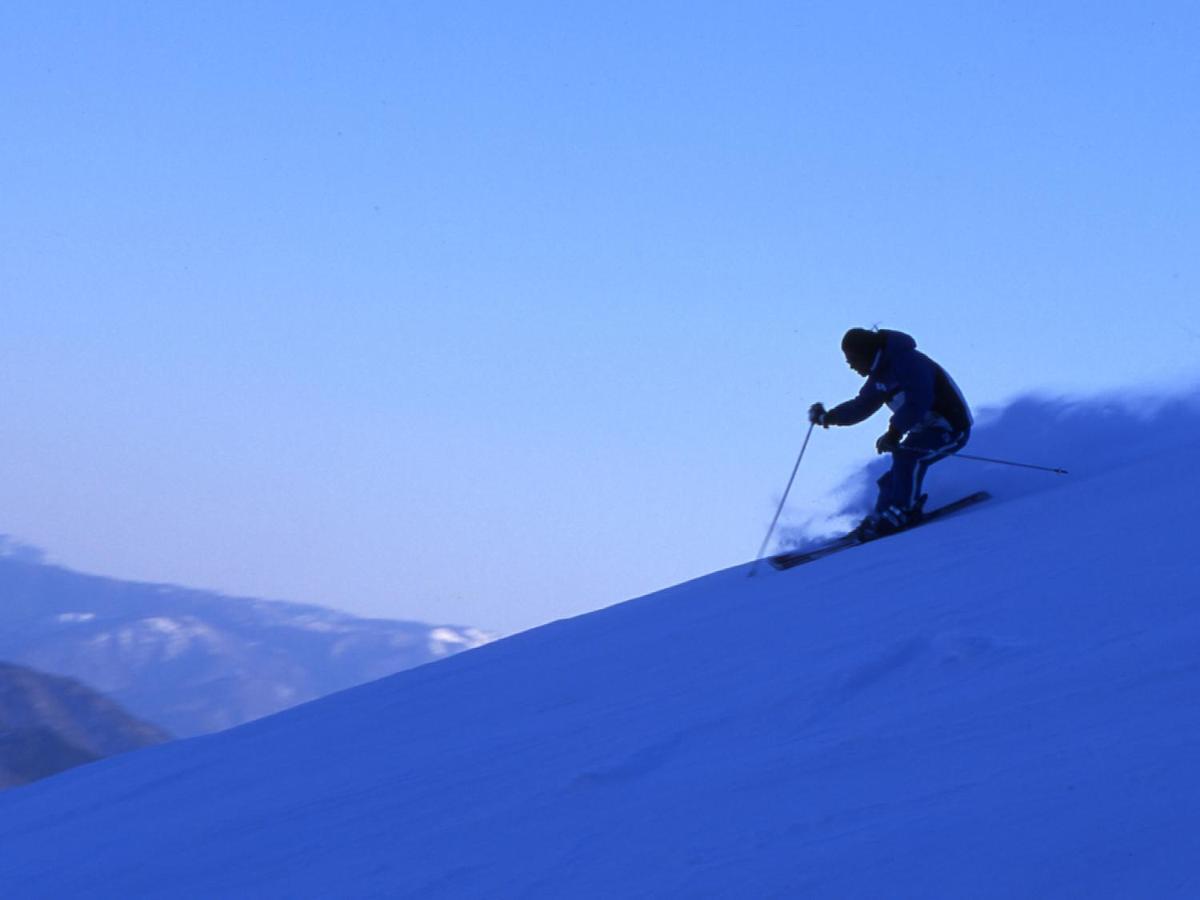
[1002, 704]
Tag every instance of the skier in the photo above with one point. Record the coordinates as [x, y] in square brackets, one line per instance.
[930, 419]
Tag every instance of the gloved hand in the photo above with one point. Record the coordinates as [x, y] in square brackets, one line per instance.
[888, 442]
[816, 415]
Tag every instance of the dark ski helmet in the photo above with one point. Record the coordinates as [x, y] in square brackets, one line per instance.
[860, 347]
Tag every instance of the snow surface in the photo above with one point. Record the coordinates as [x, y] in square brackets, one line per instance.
[1004, 704]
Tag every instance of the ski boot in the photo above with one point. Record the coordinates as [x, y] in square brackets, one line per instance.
[890, 520]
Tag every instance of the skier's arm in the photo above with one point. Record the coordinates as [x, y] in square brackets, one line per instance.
[861, 408]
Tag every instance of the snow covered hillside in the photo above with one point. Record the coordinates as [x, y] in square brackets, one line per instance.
[999, 705]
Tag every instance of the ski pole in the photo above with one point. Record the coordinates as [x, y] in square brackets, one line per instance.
[782, 500]
[988, 459]
[1009, 462]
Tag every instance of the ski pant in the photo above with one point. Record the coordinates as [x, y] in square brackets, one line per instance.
[901, 485]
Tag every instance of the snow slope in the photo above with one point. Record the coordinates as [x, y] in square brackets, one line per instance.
[1000, 705]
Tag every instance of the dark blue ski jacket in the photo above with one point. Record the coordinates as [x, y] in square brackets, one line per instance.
[917, 390]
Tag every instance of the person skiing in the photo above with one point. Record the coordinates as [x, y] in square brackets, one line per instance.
[930, 419]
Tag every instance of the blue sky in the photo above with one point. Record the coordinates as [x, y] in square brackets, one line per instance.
[494, 313]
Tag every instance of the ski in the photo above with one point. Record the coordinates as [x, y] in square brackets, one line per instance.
[791, 560]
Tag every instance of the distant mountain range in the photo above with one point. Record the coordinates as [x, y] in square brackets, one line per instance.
[194, 661]
[48, 724]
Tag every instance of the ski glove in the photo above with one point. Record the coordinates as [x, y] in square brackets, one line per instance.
[816, 415]
[888, 442]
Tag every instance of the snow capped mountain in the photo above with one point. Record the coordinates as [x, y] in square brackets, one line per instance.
[195, 661]
[998, 705]
[48, 724]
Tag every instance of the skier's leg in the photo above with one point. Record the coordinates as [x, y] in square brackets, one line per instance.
[889, 513]
[868, 526]
[884, 499]
[904, 464]
[926, 448]
[900, 488]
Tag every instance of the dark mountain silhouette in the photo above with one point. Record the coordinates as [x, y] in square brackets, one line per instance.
[48, 724]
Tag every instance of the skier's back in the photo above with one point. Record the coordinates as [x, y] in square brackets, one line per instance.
[930, 418]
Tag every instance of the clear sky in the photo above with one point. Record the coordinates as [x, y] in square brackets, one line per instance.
[493, 313]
